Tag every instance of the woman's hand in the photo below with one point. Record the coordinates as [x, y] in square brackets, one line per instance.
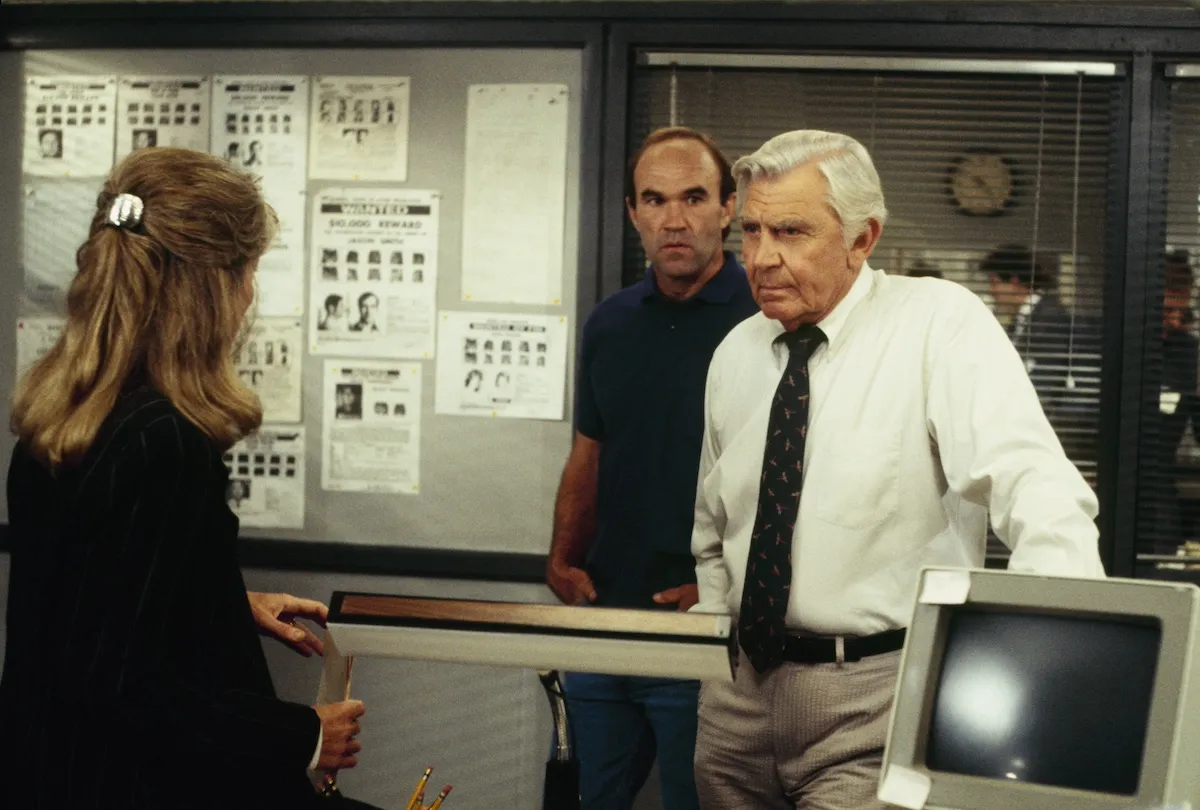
[276, 614]
[339, 730]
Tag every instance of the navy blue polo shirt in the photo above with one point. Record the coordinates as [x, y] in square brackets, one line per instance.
[643, 365]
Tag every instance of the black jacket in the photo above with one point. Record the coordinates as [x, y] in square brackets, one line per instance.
[1046, 346]
[134, 675]
[1180, 357]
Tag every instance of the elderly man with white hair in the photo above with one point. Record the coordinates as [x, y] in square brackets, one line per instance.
[900, 409]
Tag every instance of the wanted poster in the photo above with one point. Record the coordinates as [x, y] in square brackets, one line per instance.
[36, 336]
[269, 362]
[266, 478]
[371, 429]
[162, 111]
[70, 122]
[499, 365]
[57, 219]
[279, 280]
[373, 272]
[260, 124]
[359, 128]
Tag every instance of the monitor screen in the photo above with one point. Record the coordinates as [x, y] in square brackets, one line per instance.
[1048, 700]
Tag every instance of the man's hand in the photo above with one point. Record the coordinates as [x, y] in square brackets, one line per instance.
[275, 614]
[572, 585]
[683, 597]
[339, 727]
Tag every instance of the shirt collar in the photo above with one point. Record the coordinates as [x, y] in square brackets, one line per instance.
[833, 324]
[1021, 319]
[1030, 303]
[720, 289]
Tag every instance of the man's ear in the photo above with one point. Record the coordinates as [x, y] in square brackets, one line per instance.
[865, 242]
[728, 210]
[631, 209]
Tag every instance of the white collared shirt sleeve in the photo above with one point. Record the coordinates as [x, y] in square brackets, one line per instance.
[316, 757]
[708, 527]
[998, 450]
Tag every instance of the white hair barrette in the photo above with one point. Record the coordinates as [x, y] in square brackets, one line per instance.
[126, 211]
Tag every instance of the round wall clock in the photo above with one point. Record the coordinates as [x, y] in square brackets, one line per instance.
[981, 183]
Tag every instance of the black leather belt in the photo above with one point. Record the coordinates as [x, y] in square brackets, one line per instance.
[809, 650]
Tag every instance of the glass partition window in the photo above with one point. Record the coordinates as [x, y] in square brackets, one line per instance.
[972, 162]
[1168, 516]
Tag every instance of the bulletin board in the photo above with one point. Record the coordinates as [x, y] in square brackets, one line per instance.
[486, 479]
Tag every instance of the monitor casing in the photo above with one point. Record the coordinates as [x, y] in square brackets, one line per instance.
[1170, 771]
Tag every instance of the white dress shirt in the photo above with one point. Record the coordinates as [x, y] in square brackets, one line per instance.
[921, 418]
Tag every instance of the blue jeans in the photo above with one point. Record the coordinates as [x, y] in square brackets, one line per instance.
[620, 724]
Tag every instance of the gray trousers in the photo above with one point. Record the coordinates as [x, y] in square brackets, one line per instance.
[800, 737]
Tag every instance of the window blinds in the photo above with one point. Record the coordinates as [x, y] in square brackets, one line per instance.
[1168, 503]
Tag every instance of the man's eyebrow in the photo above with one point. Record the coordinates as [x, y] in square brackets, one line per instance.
[778, 224]
[694, 191]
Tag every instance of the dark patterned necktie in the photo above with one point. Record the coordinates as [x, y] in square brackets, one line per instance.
[761, 625]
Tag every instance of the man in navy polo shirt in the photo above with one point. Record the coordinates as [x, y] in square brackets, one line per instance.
[623, 517]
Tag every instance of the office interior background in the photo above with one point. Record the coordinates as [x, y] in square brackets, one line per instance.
[1087, 111]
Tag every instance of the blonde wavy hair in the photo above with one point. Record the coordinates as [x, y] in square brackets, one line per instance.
[161, 304]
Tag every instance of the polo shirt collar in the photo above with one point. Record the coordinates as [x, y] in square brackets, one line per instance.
[720, 289]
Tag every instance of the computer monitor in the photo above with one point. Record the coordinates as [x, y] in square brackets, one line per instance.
[1046, 693]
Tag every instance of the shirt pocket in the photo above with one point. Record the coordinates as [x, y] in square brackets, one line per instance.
[859, 477]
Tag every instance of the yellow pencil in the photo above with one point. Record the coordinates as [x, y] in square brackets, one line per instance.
[416, 795]
[437, 802]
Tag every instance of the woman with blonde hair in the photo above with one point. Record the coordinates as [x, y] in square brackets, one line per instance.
[134, 677]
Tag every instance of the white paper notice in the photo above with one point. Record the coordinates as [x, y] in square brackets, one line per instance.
[515, 193]
[372, 427]
[260, 124]
[945, 587]
[360, 128]
[266, 478]
[904, 787]
[69, 125]
[58, 217]
[501, 365]
[35, 337]
[270, 363]
[373, 276]
[280, 275]
[162, 111]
